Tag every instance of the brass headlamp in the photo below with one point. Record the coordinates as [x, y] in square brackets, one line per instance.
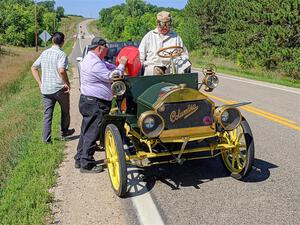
[118, 88]
[210, 79]
[228, 117]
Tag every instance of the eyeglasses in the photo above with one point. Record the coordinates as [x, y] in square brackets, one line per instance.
[164, 24]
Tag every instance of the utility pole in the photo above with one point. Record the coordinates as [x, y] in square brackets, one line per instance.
[54, 21]
[36, 34]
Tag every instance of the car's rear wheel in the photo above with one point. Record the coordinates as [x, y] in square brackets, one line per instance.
[116, 162]
[238, 160]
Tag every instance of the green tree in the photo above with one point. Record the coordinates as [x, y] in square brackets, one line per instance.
[17, 25]
[134, 8]
[49, 5]
[253, 33]
[129, 21]
[49, 21]
[60, 12]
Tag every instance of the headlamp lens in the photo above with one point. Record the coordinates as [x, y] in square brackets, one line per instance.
[149, 122]
[118, 88]
[225, 116]
[212, 81]
[229, 118]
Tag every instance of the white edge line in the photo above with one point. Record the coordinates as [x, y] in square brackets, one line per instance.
[80, 46]
[145, 207]
[255, 83]
[146, 210]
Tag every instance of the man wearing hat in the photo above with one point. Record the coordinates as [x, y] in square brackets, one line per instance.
[95, 101]
[162, 36]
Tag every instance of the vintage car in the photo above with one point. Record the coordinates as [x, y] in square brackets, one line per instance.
[169, 119]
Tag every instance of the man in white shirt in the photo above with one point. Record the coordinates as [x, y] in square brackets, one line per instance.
[162, 37]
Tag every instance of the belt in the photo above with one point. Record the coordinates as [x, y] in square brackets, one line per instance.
[92, 98]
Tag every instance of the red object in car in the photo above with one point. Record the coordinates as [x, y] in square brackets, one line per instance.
[134, 65]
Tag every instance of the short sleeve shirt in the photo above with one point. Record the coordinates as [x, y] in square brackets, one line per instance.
[50, 61]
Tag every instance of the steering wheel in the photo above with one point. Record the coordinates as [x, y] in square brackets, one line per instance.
[170, 52]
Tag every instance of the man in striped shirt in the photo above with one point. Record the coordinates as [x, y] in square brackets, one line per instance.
[54, 85]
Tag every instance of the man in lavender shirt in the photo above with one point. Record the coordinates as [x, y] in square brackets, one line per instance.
[95, 101]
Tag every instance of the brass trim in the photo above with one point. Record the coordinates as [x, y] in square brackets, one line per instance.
[127, 128]
[218, 114]
[143, 116]
[118, 82]
[193, 132]
[209, 69]
[171, 161]
[191, 138]
[192, 95]
[160, 100]
[205, 81]
[143, 154]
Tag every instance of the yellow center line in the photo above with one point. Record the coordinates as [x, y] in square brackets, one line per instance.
[270, 114]
[267, 115]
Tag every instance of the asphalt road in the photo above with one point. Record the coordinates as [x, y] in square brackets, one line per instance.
[201, 192]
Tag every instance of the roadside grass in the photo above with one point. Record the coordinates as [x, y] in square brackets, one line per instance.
[27, 167]
[69, 28]
[226, 66]
[92, 28]
[13, 62]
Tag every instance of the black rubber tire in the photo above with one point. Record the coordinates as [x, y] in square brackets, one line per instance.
[121, 191]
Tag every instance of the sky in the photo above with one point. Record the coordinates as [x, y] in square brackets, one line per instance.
[91, 8]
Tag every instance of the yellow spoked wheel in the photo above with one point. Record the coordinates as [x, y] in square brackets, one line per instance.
[116, 163]
[238, 160]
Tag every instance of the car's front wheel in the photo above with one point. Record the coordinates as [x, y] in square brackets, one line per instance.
[238, 160]
[116, 163]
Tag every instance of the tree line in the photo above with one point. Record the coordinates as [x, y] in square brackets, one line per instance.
[259, 34]
[130, 21]
[17, 20]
